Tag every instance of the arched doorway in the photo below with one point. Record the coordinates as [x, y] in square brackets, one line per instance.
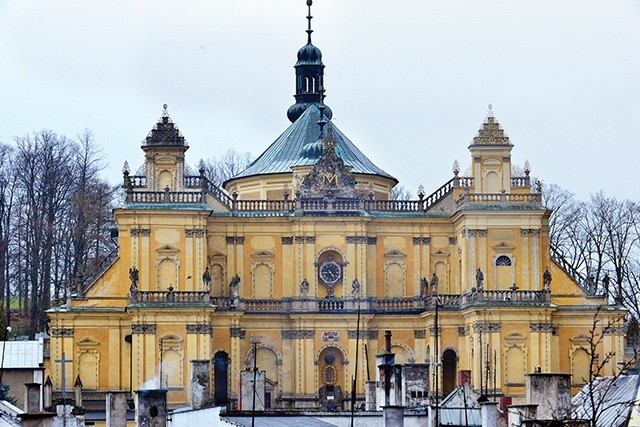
[221, 378]
[449, 369]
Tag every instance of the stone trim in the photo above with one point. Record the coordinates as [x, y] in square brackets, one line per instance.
[541, 327]
[299, 240]
[62, 332]
[330, 336]
[372, 240]
[144, 232]
[237, 332]
[487, 327]
[239, 240]
[453, 240]
[463, 331]
[419, 334]
[357, 239]
[198, 232]
[291, 334]
[287, 240]
[421, 240]
[432, 331]
[614, 330]
[371, 334]
[199, 328]
[143, 328]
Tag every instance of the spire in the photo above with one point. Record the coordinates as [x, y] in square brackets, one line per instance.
[491, 133]
[309, 18]
[309, 76]
[165, 132]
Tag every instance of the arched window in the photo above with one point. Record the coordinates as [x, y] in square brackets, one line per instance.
[503, 261]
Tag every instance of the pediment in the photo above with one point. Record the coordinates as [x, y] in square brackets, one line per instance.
[216, 257]
[491, 161]
[394, 254]
[167, 249]
[262, 255]
[88, 343]
[165, 160]
[515, 336]
[440, 253]
[580, 338]
[503, 246]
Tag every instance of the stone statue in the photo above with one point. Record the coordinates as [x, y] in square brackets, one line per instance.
[355, 288]
[434, 283]
[233, 286]
[206, 279]
[424, 285]
[133, 276]
[605, 283]
[304, 287]
[546, 279]
[479, 279]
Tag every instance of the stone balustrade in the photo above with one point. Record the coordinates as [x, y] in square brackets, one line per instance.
[348, 304]
[164, 197]
[530, 199]
[170, 297]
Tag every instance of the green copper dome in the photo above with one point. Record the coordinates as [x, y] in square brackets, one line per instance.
[298, 146]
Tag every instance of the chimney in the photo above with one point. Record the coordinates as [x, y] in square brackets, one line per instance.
[48, 391]
[151, 408]
[199, 383]
[32, 398]
[117, 409]
[489, 414]
[78, 391]
[552, 394]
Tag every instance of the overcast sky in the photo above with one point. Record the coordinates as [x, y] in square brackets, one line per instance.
[408, 81]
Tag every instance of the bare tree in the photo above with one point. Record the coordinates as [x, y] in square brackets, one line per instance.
[7, 192]
[399, 192]
[229, 164]
[600, 401]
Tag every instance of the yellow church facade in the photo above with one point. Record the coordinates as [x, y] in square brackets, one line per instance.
[275, 270]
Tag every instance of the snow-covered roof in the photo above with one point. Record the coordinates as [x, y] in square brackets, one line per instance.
[21, 354]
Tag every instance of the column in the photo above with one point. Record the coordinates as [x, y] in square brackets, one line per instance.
[523, 263]
[189, 243]
[535, 250]
[115, 357]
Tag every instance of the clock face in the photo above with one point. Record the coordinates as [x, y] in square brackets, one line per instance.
[330, 272]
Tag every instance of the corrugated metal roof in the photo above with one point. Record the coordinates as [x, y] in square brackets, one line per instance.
[21, 354]
[295, 147]
[613, 400]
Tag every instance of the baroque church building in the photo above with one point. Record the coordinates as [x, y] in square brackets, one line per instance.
[276, 268]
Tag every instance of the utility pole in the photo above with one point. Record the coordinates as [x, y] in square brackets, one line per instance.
[255, 373]
[437, 356]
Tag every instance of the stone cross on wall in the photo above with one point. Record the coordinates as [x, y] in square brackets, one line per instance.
[63, 361]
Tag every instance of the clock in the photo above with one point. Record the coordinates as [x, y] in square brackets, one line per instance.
[330, 272]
